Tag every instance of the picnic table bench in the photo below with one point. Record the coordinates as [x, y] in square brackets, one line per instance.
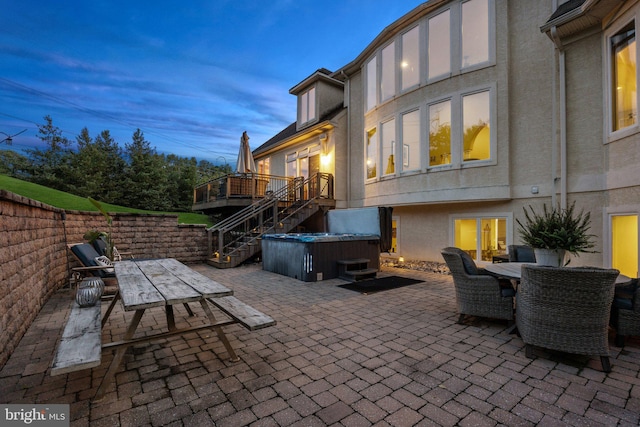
[80, 346]
[145, 284]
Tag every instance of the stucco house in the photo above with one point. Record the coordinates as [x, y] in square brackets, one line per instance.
[463, 112]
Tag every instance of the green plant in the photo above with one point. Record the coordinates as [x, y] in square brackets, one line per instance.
[92, 235]
[557, 229]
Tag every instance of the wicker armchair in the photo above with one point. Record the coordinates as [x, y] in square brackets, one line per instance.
[566, 309]
[625, 313]
[477, 294]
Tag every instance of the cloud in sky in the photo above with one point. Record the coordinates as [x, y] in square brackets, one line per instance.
[192, 75]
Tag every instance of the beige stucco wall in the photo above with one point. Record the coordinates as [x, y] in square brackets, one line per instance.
[532, 127]
[526, 81]
[486, 180]
[527, 167]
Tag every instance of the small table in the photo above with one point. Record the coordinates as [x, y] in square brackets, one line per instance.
[144, 284]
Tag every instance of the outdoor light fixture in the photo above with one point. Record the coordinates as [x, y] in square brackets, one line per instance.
[323, 141]
[9, 138]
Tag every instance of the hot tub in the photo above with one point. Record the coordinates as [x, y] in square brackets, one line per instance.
[314, 256]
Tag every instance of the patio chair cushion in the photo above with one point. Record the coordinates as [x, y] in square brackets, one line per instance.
[87, 255]
[624, 296]
[469, 264]
[103, 260]
[521, 253]
[507, 292]
[100, 246]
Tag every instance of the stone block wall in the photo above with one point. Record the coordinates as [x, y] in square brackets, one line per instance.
[34, 261]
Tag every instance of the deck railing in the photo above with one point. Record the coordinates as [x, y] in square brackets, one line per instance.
[239, 185]
[264, 215]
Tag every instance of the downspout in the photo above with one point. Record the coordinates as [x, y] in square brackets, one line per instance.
[348, 141]
[562, 115]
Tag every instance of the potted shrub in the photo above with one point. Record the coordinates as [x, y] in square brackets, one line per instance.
[556, 231]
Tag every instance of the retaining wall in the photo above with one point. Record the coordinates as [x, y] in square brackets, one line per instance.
[34, 261]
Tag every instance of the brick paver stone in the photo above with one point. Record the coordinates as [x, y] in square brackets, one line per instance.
[335, 357]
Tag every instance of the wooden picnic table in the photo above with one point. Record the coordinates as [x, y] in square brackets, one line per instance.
[143, 285]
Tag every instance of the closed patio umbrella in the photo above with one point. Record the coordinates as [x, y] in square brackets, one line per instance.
[245, 163]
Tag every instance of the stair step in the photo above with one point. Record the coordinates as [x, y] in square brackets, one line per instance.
[249, 244]
[353, 261]
[356, 275]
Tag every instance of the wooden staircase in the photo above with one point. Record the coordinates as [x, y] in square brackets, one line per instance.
[238, 238]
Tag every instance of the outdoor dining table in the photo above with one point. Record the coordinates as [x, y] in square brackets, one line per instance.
[510, 270]
[513, 270]
[146, 284]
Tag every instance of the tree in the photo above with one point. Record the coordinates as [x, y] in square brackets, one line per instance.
[112, 167]
[13, 164]
[181, 178]
[145, 184]
[207, 171]
[83, 177]
[50, 167]
[137, 176]
[97, 167]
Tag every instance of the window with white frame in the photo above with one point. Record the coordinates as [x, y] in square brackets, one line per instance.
[410, 153]
[460, 128]
[264, 166]
[292, 165]
[371, 83]
[410, 62]
[371, 151]
[482, 237]
[388, 72]
[388, 142]
[440, 133]
[623, 77]
[476, 139]
[475, 32]
[460, 38]
[308, 106]
[439, 49]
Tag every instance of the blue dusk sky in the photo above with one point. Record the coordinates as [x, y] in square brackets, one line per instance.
[191, 74]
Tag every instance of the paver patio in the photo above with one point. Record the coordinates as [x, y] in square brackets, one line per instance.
[336, 357]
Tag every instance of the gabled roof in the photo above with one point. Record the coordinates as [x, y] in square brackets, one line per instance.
[575, 16]
[566, 8]
[290, 133]
[283, 135]
[321, 74]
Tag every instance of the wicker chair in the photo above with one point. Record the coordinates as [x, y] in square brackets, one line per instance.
[566, 309]
[477, 294]
[625, 313]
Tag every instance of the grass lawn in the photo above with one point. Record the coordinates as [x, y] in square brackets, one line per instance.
[62, 200]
